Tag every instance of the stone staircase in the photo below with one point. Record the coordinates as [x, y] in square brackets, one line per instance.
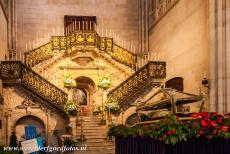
[96, 137]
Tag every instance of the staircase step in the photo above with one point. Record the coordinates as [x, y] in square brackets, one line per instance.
[96, 136]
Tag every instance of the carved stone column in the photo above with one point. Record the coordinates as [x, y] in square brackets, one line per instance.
[48, 114]
[143, 25]
[219, 18]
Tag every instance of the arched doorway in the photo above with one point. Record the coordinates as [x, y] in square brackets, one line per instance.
[26, 121]
[84, 93]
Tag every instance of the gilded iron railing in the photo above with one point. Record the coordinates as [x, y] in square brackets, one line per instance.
[16, 72]
[39, 55]
[152, 70]
[79, 40]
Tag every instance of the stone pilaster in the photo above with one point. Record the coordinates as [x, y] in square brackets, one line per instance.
[143, 25]
[219, 55]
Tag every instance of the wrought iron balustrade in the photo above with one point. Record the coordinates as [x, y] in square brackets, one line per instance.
[152, 70]
[80, 39]
[38, 55]
[16, 72]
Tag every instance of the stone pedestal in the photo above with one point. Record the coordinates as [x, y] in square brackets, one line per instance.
[72, 124]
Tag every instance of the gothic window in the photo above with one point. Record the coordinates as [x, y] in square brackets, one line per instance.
[80, 96]
[175, 83]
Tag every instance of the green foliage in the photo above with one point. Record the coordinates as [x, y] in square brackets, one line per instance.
[172, 130]
[13, 140]
[68, 142]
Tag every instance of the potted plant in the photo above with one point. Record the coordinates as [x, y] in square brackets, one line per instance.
[71, 108]
[104, 83]
[69, 82]
[112, 106]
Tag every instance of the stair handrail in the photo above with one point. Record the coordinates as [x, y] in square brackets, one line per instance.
[12, 71]
[80, 39]
[152, 70]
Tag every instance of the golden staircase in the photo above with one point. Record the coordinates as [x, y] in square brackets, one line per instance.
[17, 72]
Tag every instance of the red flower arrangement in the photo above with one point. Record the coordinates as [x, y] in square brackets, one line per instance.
[211, 125]
[172, 129]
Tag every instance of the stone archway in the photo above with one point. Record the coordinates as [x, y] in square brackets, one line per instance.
[24, 121]
[84, 94]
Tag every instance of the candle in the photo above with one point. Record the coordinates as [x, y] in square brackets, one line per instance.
[33, 44]
[134, 49]
[205, 74]
[95, 26]
[110, 33]
[30, 45]
[79, 25]
[106, 33]
[58, 31]
[102, 33]
[89, 25]
[148, 56]
[83, 25]
[20, 55]
[26, 46]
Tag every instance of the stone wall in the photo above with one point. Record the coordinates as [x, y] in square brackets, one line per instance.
[20, 104]
[3, 34]
[181, 39]
[3, 50]
[38, 18]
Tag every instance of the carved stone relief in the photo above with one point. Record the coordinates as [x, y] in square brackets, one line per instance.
[159, 9]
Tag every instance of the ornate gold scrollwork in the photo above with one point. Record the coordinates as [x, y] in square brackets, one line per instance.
[79, 38]
[153, 70]
[13, 70]
[38, 55]
[102, 43]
